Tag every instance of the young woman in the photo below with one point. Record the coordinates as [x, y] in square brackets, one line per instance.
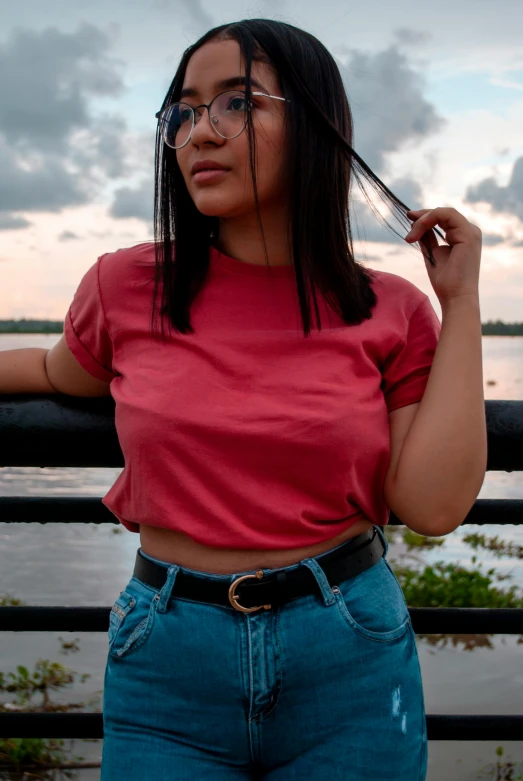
[263, 633]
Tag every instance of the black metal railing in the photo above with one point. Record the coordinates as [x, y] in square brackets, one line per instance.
[57, 431]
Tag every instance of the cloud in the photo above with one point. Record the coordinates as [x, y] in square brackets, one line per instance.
[53, 152]
[9, 222]
[385, 93]
[37, 183]
[138, 202]
[408, 191]
[367, 226]
[45, 80]
[409, 37]
[270, 8]
[194, 10]
[491, 239]
[390, 113]
[505, 83]
[507, 199]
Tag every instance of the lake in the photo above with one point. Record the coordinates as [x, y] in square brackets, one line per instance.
[86, 564]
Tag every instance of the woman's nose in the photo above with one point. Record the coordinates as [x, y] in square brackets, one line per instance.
[203, 126]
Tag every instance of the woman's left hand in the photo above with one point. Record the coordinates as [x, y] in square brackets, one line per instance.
[457, 266]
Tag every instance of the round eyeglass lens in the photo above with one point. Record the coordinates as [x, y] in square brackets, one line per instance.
[228, 115]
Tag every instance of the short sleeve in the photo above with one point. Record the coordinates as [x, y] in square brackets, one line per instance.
[85, 327]
[406, 370]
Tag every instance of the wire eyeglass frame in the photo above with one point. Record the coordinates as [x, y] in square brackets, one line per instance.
[208, 107]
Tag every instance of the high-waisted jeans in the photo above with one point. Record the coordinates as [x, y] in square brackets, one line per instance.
[327, 686]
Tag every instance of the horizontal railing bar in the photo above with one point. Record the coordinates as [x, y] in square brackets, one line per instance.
[89, 726]
[65, 509]
[425, 620]
[484, 727]
[37, 618]
[55, 509]
[61, 430]
[467, 620]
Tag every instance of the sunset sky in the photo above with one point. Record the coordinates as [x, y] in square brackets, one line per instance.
[436, 91]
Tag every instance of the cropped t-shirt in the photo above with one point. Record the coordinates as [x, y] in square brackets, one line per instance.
[247, 434]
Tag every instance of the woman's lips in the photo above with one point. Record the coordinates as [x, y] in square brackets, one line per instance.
[209, 175]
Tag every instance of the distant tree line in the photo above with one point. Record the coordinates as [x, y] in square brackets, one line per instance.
[499, 328]
[31, 326]
[490, 328]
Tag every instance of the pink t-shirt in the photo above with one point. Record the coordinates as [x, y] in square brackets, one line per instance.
[247, 434]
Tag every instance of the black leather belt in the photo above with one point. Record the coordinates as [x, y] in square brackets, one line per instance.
[258, 590]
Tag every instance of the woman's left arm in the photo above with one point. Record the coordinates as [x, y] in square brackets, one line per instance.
[443, 458]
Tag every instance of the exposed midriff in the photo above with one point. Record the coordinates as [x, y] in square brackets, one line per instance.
[178, 548]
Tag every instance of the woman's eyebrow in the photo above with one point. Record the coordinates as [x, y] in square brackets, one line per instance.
[234, 81]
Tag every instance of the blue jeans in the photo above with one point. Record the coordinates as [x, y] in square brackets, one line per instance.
[326, 687]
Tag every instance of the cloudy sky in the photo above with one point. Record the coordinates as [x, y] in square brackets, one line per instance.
[436, 91]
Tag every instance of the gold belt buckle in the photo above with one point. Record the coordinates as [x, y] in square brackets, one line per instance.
[234, 598]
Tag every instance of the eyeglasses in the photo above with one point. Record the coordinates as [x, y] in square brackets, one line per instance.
[228, 117]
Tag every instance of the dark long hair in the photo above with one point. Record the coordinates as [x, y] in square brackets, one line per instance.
[319, 161]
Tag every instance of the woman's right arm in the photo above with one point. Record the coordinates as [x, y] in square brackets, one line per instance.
[23, 371]
[39, 370]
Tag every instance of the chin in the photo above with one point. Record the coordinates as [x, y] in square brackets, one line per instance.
[212, 205]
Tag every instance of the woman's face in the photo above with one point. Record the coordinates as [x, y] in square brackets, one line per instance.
[232, 194]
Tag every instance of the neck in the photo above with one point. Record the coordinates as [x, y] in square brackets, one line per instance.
[240, 238]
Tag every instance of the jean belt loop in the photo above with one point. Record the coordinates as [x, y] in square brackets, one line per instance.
[383, 539]
[167, 588]
[321, 580]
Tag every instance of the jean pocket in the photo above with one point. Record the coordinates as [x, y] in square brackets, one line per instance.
[131, 619]
[373, 604]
